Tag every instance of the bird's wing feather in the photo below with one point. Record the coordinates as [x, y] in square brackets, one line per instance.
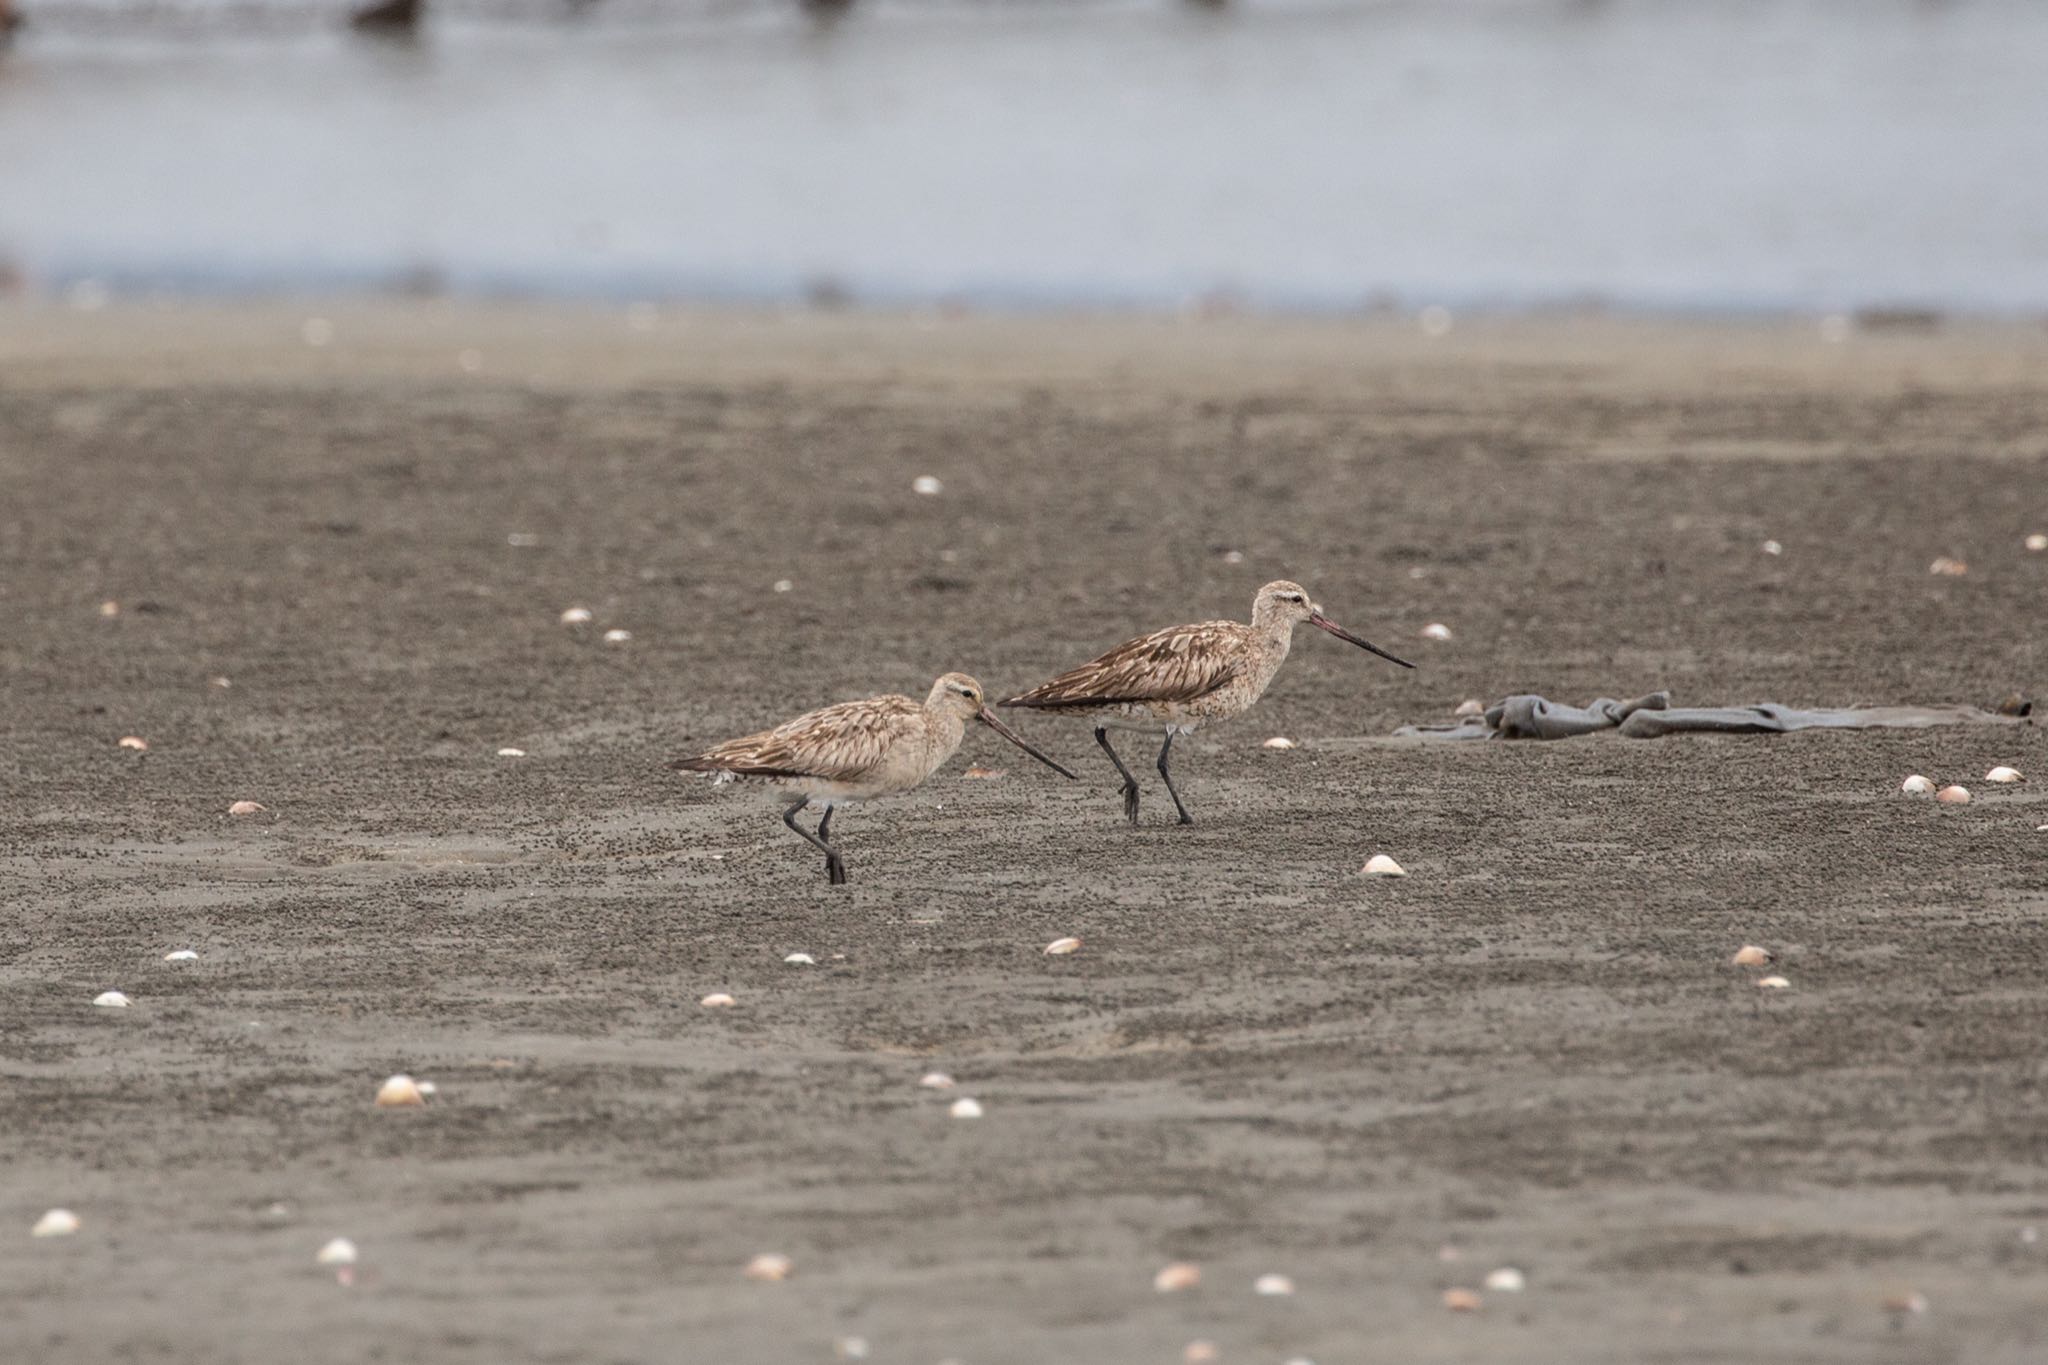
[1177, 664]
[836, 743]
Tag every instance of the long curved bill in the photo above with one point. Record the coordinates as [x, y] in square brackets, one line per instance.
[1316, 618]
[1007, 733]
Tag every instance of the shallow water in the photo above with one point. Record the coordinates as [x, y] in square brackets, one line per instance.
[1725, 154]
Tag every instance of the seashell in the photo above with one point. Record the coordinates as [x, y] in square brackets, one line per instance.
[783, 585]
[429, 1088]
[1060, 947]
[110, 608]
[111, 1000]
[1436, 630]
[2037, 542]
[965, 1108]
[1749, 955]
[2004, 774]
[340, 1251]
[771, 1266]
[134, 742]
[1772, 983]
[181, 955]
[801, 960]
[1233, 556]
[223, 683]
[1177, 1276]
[1772, 547]
[55, 1223]
[1916, 785]
[1948, 568]
[1276, 742]
[1273, 1286]
[247, 808]
[935, 1080]
[981, 774]
[926, 486]
[1953, 796]
[511, 753]
[718, 1000]
[400, 1092]
[617, 637]
[1380, 865]
[1506, 1280]
[1199, 1352]
[1470, 709]
[576, 616]
[1461, 1300]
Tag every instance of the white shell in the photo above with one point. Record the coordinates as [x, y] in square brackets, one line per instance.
[965, 1108]
[617, 637]
[429, 1088]
[134, 742]
[247, 808]
[769, 1265]
[1470, 709]
[1059, 947]
[935, 1080]
[576, 616]
[1772, 983]
[717, 1000]
[110, 608]
[1916, 785]
[1506, 1280]
[511, 753]
[1772, 547]
[1953, 796]
[801, 960]
[1948, 568]
[851, 1348]
[782, 585]
[927, 485]
[1380, 865]
[340, 1251]
[1273, 1286]
[1276, 742]
[55, 1223]
[1436, 630]
[1177, 1276]
[400, 1092]
[111, 1000]
[1749, 955]
[2037, 542]
[181, 955]
[2004, 774]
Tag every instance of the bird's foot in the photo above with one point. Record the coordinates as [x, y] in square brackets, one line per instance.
[835, 871]
[1131, 803]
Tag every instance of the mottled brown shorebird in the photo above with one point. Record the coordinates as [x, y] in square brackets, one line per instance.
[856, 751]
[1173, 680]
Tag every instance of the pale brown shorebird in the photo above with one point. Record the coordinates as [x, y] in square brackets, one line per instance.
[856, 751]
[1173, 680]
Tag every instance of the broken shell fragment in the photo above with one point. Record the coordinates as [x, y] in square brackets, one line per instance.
[1916, 785]
[981, 774]
[1199, 1353]
[55, 1223]
[1749, 955]
[1948, 568]
[927, 486]
[1177, 1276]
[181, 955]
[400, 1092]
[340, 1251]
[511, 753]
[1273, 1286]
[1436, 630]
[1772, 547]
[1060, 947]
[136, 742]
[935, 1080]
[717, 1000]
[771, 1266]
[1276, 742]
[965, 1108]
[1772, 983]
[110, 608]
[2004, 774]
[2037, 542]
[111, 1000]
[247, 808]
[1470, 709]
[576, 616]
[1506, 1280]
[1953, 796]
[1461, 1300]
[1380, 865]
[801, 960]
[617, 637]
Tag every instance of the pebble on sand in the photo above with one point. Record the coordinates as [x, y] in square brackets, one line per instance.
[1506, 1280]
[181, 955]
[801, 960]
[1749, 955]
[1436, 630]
[1906, 1301]
[576, 616]
[977, 773]
[1916, 785]
[851, 1348]
[111, 1000]
[1273, 1286]
[340, 1251]
[617, 637]
[2004, 774]
[136, 742]
[1773, 983]
[247, 808]
[718, 1000]
[1380, 865]
[926, 486]
[936, 1080]
[1276, 742]
[1772, 547]
[511, 753]
[55, 1223]
[1948, 568]
[965, 1108]
[1177, 1276]
[771, 1266]
[1953, 796]
[2037, 542]
[1199, 1353]
[400, 1092]
[110, 608]
[1060, 947]
[1461, 1300]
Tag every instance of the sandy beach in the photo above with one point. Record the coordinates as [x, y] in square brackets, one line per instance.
[337, 572]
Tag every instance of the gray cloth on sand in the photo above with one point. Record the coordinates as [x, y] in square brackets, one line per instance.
[1652, 716]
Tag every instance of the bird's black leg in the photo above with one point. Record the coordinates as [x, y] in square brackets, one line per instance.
[835, 870]
[1165, 749]
[1130, 783]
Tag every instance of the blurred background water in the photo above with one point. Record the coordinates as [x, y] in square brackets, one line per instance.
[1716, 155]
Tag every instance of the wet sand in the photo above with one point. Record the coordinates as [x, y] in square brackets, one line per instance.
[1530, 1052]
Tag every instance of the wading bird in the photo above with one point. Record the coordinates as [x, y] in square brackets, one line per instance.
[1173, 680]
[856, 751]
